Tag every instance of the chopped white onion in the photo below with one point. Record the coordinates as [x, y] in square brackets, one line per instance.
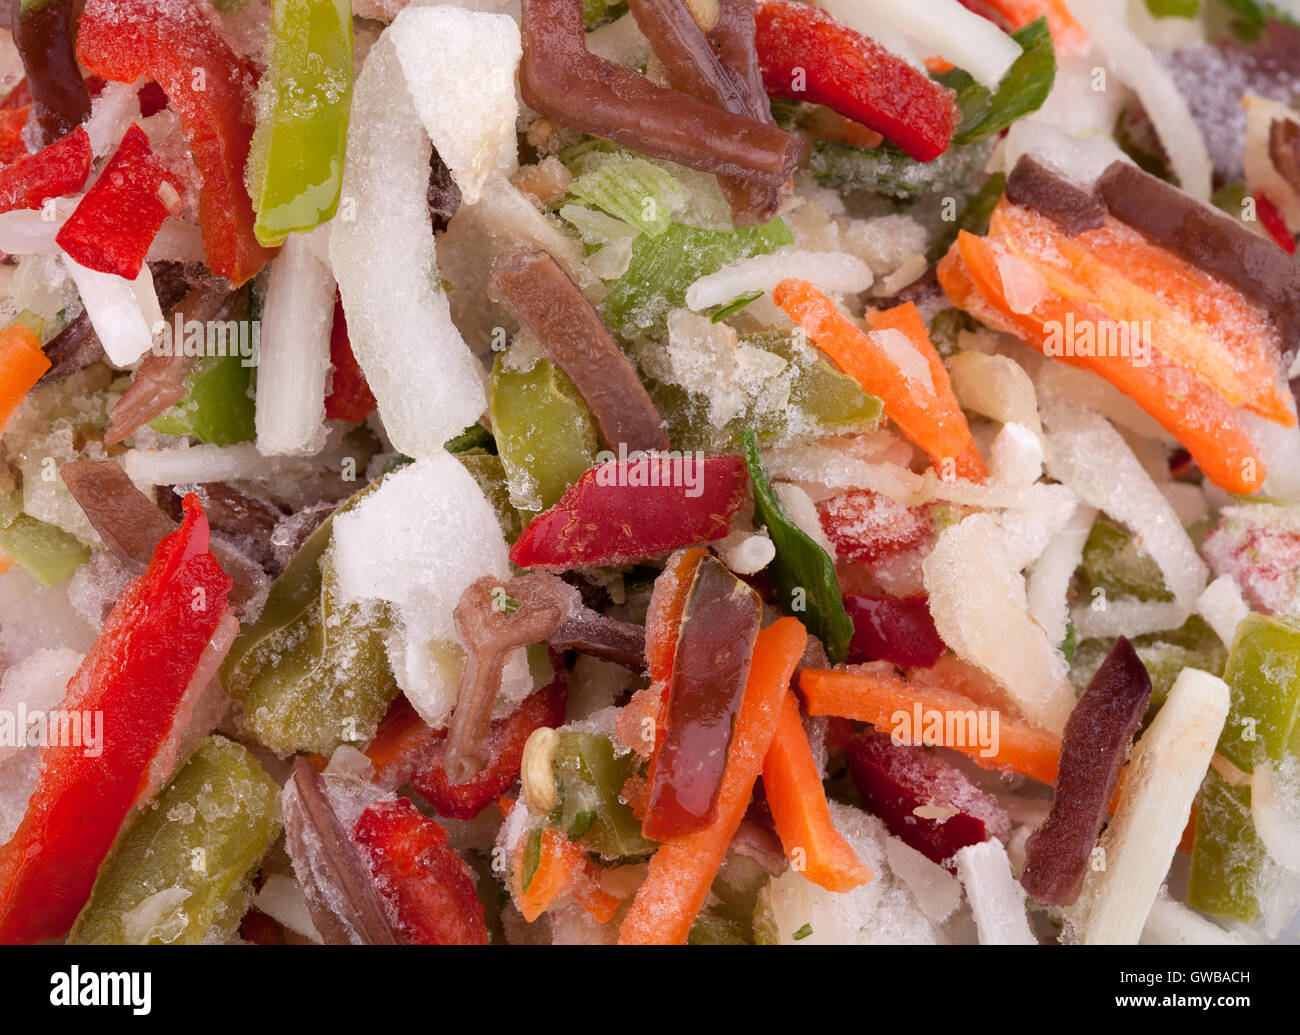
[294, 354]
[1172, 923]
[31, 231]
[996, 387]
[1049, 580]
[996, 900]
[836, 273]
[1161, 782]
[123, 312]
[1126, 617]
[177, 241]
[1133, 63]
[110, 115]
[469, 118]
[1223, 607]
[427, 383]
[1279, 449]
[802, 512]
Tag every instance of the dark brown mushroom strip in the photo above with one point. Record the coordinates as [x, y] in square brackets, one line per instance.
[444, 195]
[1209, 240]
[590, 632]
[46, 40]
[341, 895]
[561, 79]
[130, 524]
[761, 845]
[1095, 747]
[292, 531]
[540, 295]
[1284, 150]
[493, 618]
[247, 519]
[74, 348]
[1035, 185]
[159, 381]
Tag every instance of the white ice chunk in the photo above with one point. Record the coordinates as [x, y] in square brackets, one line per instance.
[34, 685]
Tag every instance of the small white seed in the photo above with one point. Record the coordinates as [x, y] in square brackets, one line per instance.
[535, 772]
[706, 13]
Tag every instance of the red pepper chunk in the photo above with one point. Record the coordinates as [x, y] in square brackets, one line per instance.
[134, 677]
[349, 397]
[57, 169]
[806, 55]
[894, 629]
[427, 888]
[12, 123]
[505, 751]
[710, 670]
[1271, 220]
[181, 48]
[628, 510]
[115, 223]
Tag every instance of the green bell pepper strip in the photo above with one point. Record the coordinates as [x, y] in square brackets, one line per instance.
[295, 163]
[545, 434]
[199, 841]
[217, 406]
[589, 782]
[1113, 562]
[46, 552]
[801, 573]
[1227, 855]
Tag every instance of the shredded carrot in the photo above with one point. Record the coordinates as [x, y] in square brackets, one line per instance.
[402, 734]
[682, 872]
[562, 869]
[1186, 406]
[1068, 36]
[937, 65]
[886, 701]
[6, 563]
[928, 414]
[21, 365]
[797, 800]
[859, 135]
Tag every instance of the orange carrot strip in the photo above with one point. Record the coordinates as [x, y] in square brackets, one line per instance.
[21, 365]
[1183, 404]
[879, 698]
[1068, 36]
[681, 872]
[928, 415]
[561, 863]
[797, 800]
[1208, 328]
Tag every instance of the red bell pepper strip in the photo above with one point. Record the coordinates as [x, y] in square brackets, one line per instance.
[134, 678]
[806, 55]
[180, 47]
[61, 168]
[505, 749]
[628, 510]
[20, 96]
[1271, 220]
[115, 223]
[349, 397]
[894, 629]
[427, 887]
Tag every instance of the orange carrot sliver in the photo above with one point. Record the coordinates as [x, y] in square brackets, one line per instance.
[797, 800]
[929, 416]
[681, 872]
[1068, 36]
[1183, 404]
[560, 863]
[878, 697]
[21, 365]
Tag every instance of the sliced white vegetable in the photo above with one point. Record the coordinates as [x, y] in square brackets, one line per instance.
[123, 312]
[1273, 807]
[31, 231]
[1223, 607]
[427, 383]
[1080, 159]
[1049, 580]
[1279, 449]
[801, 510]
[417, 542]
[1165, 772]
[35, 684]
[836, 273]
[110, 114]
[996, 387]
[936, 890]
[1092, 458]
[469, 118]
[178, 241]
[977, 599]
[1133, 63]
[1127, 617]
[620, 42]
[281, 898]
[295, 347]
[1172, 923]
[860, 18]
[947, 28]
[996, 900]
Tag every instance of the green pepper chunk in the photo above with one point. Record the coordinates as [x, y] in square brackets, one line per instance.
[1227, 855]
[821, 400]
[1264, 679]
[545, 435]
[179, 871]
[1113, 561]
[46, 552]
[295, 163]
[312, 672]
[217, 406]
[488, 470]
[802, 573]
[589, 782]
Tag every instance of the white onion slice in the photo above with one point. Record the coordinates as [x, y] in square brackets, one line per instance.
[123, 312]
[997, 901]
[836, 273]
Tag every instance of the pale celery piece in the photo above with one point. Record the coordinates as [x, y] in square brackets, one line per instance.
[179, 871]
[628, 188]
[545, 435]
[663, 267]
[312, 672]
[48, 553]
